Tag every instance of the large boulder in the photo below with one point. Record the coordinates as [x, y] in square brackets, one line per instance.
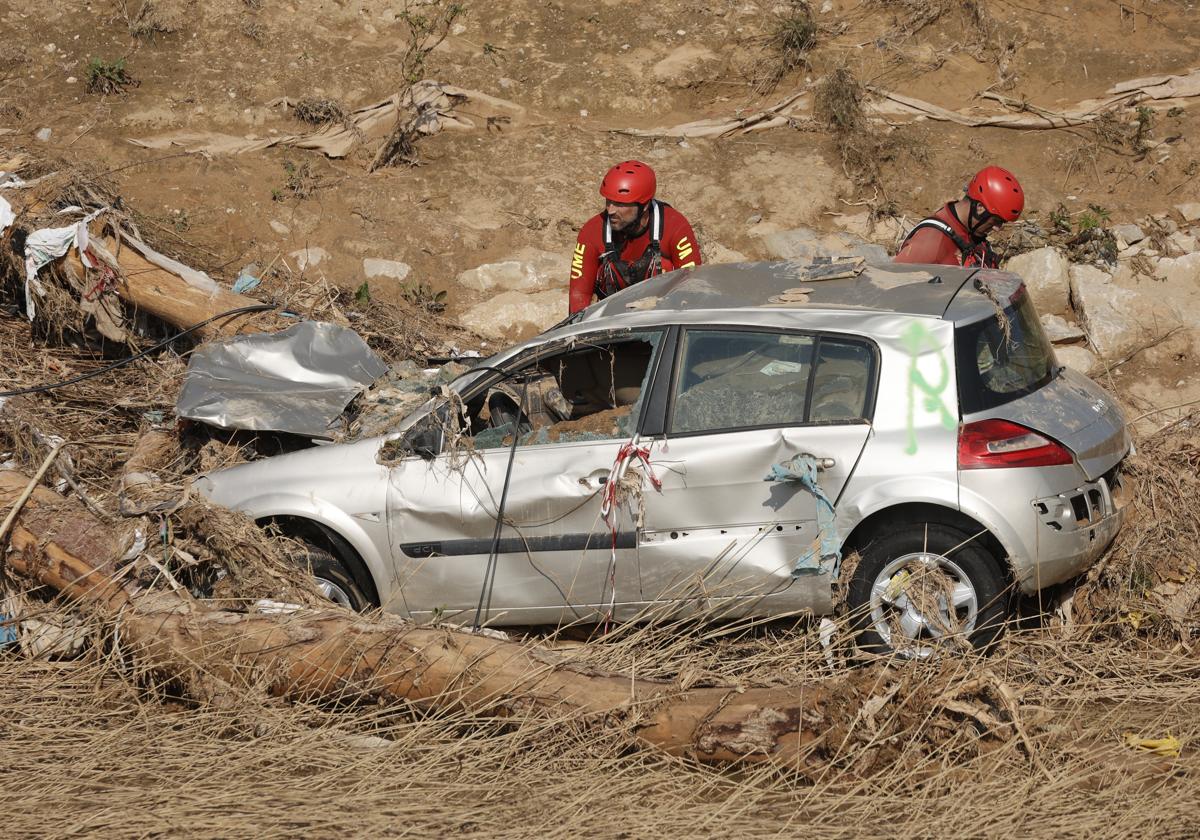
[1059, 330]
[514, 314]
[528, 270]
[1108, 311]
[805, 245]
[1076, 357]
[1046, 275]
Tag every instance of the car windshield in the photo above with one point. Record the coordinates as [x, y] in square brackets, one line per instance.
[1002, 359]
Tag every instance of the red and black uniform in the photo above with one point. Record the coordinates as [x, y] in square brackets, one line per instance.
[605, 262]
[942, 239]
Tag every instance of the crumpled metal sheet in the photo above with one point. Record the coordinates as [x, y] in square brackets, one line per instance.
[296, 381]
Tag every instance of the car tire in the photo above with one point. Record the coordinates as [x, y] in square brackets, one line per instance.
[906, 578]
[333, 579]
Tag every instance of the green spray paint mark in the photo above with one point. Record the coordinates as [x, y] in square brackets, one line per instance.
[916, 339]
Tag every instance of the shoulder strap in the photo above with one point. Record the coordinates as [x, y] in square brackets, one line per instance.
[942, 228]
[656, 230]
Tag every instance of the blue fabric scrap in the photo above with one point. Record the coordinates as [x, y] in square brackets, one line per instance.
[827, 555]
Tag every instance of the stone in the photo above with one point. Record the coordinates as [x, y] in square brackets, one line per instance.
[511, 314]
[804, 245]
[386, 268]
[1127, 234]
[1190, 211]
[1181, 272]
[715, 252]
[529, 270]
[43, 134]
[309, 257]
[1076, 357]
[1046, 275]
[279, 227]
[1058, 329]
[1185, 243]
[1106, 309]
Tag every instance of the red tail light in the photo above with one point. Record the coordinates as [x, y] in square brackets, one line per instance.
[998, 443]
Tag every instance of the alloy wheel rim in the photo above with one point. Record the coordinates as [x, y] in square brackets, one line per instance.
[333, 592]
[922, 602]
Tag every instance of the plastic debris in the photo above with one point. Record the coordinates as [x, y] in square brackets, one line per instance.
[1168, 747]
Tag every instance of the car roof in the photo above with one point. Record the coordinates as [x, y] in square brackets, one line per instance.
[924, 290]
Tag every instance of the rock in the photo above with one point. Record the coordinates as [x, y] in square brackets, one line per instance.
[715, 252]
[1127, 234]
[43, 134]
[1182, 272]
[804, 245]
[279, 227]
[309, 257]
[1190, 211]
[683, 65]
[1107, 310]
[386, 268]
[1076, 357]
[1059, 329]
[512, 313]
[1184, 242]
[1045, 272]
[530, 270]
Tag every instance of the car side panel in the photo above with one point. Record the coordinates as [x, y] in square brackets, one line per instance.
[366, 533]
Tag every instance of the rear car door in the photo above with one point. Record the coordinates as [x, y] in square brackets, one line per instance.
[557, 558]
[742, 401]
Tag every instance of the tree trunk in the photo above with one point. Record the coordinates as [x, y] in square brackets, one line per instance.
[335, 656]
[168, 296]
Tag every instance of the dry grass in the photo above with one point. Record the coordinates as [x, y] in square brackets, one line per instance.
[132, 762]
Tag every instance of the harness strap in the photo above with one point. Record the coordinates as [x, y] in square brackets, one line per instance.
[616, 274]
[941, 227]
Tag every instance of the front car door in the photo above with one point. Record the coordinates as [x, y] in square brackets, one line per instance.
[557, 559]
[741, 401]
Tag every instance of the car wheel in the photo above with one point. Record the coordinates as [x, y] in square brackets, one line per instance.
[333, 579]
[926, 587]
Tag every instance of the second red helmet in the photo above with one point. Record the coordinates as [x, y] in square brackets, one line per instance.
[629, 182]
[998, 191]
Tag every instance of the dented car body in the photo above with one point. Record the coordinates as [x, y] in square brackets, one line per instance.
[758, 424]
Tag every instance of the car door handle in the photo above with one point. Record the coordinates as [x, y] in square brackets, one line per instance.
[822, 463]
[596, 479]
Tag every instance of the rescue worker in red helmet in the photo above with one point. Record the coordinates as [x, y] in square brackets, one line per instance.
[957, 234]
[635, 237]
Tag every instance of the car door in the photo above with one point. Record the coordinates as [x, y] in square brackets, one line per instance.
[557, 559]
[742, 401]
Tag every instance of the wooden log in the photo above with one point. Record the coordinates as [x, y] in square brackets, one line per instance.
[333, 655]
[173, 299]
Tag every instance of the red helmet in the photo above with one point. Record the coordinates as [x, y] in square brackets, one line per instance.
[998, 191]
[629, 182]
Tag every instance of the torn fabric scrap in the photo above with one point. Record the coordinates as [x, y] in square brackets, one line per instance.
[823, 555]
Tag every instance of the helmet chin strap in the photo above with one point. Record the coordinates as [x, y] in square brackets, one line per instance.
[977, 216]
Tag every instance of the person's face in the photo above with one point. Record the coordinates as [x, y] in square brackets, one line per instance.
[992, 223]
[621, 214]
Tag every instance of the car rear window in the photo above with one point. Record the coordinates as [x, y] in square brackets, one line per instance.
[1002, 359]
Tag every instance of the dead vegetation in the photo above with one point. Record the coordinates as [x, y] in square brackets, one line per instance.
[791, 34]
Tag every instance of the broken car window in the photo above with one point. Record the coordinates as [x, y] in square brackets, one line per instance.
[591, 390]
[731, 379]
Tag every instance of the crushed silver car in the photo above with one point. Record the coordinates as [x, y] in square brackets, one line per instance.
[751, 439]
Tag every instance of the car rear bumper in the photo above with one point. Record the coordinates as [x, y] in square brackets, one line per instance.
[1073, 530]
[1050, 534]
